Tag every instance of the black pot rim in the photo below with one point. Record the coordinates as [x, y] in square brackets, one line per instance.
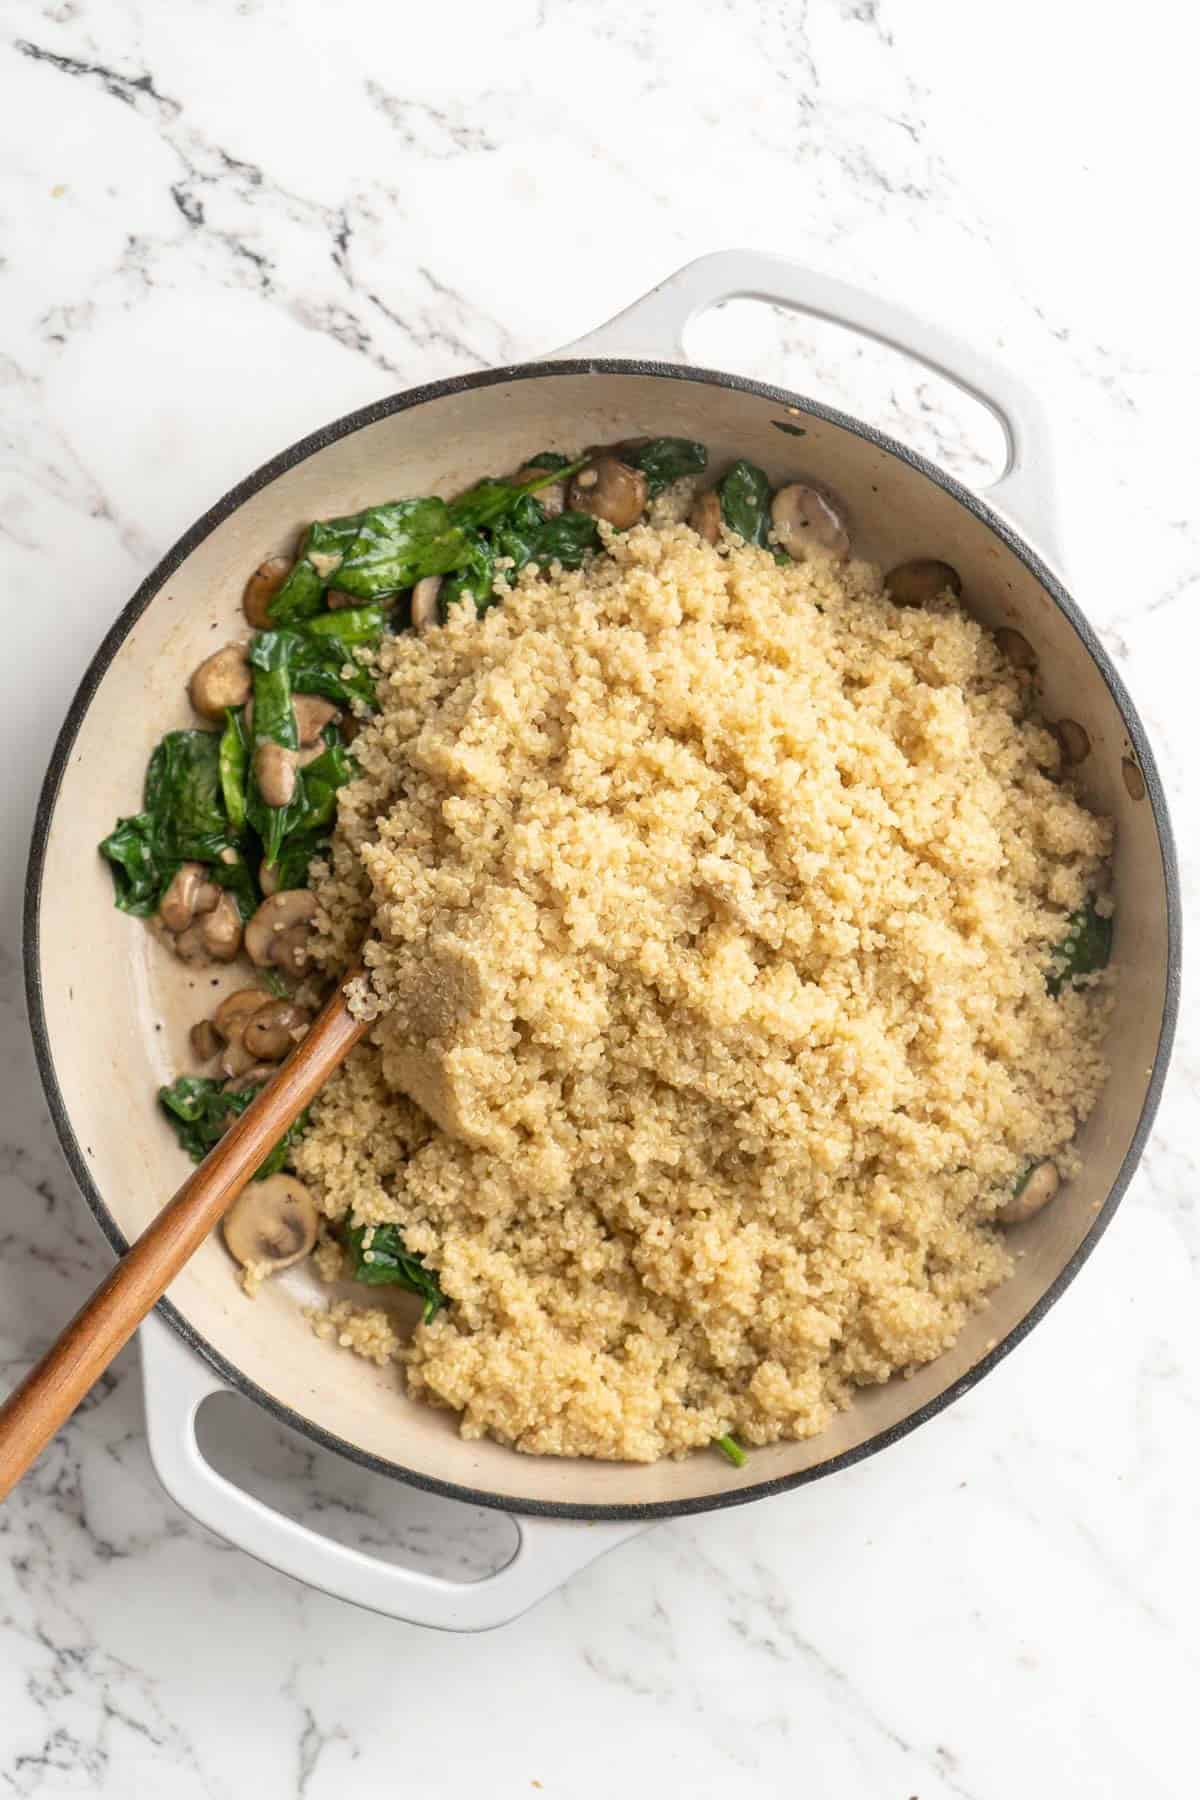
[403, 402]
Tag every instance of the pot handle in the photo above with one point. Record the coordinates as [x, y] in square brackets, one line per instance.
[548, 1553]
[654, 326]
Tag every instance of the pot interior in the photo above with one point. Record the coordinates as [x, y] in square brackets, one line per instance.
[117, 1007]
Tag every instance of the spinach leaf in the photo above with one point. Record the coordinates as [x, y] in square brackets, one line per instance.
[548, 459]
[567, 539]
[231, 763]
[1086, 948]
[745, 496]
[308, 660]
[375, 554]
[474, 580]
[317, 654]
[371, 555]
[664, 459]
[302, 595]
[274, 722]
[315, 801]
[200, 1112]
[490, 501]
[183, 787]
[385, 1261]
[238, 880]
[132, 850]
[729, 1447]
[291, 867]
[351, 626]
[183, 819]
[310, 810]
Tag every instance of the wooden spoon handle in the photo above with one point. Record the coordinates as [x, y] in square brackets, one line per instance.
[52, 1390]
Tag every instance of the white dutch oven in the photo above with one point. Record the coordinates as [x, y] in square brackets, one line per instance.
[104, 997]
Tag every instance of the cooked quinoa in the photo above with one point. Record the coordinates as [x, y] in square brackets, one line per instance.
[710, 906]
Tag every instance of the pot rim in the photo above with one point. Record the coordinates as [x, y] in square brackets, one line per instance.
[300, 452]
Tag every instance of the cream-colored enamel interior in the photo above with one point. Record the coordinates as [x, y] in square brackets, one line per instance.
[118, 1007]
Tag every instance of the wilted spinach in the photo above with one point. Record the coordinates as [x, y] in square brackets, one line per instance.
[731, 1449]
[183, 819]
[376, 554]
[664, 459]
[201, 1112]
[745, 496]
[1086, 948]
[385, 1262]
[567, 539]
[232, 763]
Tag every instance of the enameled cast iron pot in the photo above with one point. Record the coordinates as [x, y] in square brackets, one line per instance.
[98, 984]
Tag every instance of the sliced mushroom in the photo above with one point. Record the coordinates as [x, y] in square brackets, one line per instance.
[551, 498]
[808, 523]
[917, 582]
[292, 950]
[275, 773]
[1018, 649]
[425, 602]
[705, 517]
[337, 601]
[223, 679]
[609, 489]
[204, 1040]
[1035, 1190]
[312, 715]
[278, 932]
[229, 1020]
[189, 892]
[1073, 741]
[272, 1222]
[221, 929]
[274, 1029]
[262, 588]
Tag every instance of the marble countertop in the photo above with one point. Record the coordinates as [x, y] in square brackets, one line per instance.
[223, 226]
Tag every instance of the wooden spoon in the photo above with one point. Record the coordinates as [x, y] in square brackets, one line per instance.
[54, 1387]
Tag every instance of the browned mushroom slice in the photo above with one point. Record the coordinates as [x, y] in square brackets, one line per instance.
[221, 929]
[1018, 649]
[204, 1040]
[1035, 1190]
[808, 523]
[275, 773]
[1073, 741]
[230, 1017]
[278, 932]
[923, 579]
[312, 715]
[262, 588]
[609, 489]
[223, 679]
[188, 894]
[425, 602]
[705, 517]
[272, 1224]
[274, 1029]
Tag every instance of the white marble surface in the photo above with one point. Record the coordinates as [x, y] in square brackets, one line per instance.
[223, 224]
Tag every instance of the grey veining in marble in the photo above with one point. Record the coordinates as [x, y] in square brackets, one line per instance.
[222, 226]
